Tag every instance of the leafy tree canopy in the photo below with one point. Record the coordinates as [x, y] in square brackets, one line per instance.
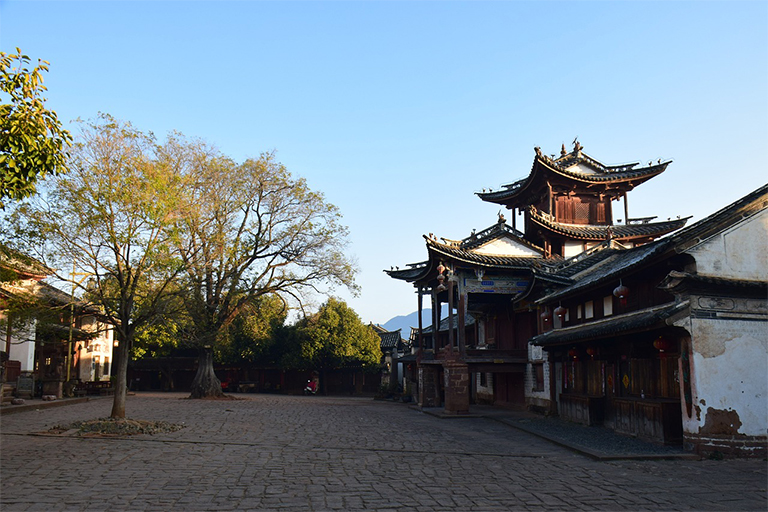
[335, 336]
[253, 336]
[32, 141]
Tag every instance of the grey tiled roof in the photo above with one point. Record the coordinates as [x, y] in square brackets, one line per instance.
[617, 232]
[444, 323]
[468, 256]
[609, 326]
[389, 339]
[610, 263]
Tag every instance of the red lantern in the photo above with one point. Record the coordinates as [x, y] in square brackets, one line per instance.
[592, 352]
[573, 354]
[662, 344]
[621, 292]
[560, 312]
[440, 268]
[546, 316]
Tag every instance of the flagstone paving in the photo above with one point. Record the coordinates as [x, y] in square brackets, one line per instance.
[274, 452]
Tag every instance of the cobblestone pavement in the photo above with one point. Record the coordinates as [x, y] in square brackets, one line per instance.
[274, 452]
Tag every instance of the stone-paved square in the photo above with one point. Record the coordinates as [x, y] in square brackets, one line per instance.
[275, 452]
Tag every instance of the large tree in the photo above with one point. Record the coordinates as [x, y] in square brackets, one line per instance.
[32, 141]
[254, 335]
[335, 336]
[110, 219]
[255, 230]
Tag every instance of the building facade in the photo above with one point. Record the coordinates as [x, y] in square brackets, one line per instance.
[647, 328]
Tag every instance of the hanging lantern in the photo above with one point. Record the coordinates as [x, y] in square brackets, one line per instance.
[662, 344]
[591, 352]
[560, 312]
[546, 316]
[440, 268]
[573, 354]
[621, 292]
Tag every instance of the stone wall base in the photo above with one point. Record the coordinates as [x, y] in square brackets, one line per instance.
[540, 405]
[457, 381]
[429, 394]
[726, 446]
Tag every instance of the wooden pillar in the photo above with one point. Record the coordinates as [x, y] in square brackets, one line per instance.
[626, 210]
[421, 327]
[462, 324]
[435, 318]
[451, 337]
[549, 186]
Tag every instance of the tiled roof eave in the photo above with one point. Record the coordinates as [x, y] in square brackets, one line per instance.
[592, 232]
[512, 263]
[621, 266]
[519, 187]
[644, 173]
[654, 317]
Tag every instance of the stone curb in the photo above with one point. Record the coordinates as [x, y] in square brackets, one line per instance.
[35, 406]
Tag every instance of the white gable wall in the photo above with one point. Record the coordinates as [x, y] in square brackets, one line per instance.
[506, 247]
[741, 252]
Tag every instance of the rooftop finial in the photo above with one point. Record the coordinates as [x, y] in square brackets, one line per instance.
[562, 150]
[577, 147]
[502, 220]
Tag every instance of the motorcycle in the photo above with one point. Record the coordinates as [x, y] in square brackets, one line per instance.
[310, 388]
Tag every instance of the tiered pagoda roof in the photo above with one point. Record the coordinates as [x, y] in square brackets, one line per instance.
[497, 247]
[576, 170]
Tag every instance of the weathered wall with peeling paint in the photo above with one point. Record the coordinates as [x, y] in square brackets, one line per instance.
[730, 369]
[729, 342]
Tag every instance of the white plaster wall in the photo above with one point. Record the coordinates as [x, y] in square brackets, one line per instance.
[729, 372]
[484, 392]
[741, 252]
[506, 247]
[102, 345]
[23, 346]
[536, 355]
[572, 248]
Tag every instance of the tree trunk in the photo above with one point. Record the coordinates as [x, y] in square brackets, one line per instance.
[206, 384]
[121, 378]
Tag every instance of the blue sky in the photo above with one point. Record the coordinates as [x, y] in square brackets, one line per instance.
[399, 111]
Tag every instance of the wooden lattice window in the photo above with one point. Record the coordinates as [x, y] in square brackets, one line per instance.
[580, 212]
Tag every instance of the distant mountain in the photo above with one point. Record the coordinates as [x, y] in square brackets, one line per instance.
[405, 322]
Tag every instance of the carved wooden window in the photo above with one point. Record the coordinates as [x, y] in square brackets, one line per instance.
[580, 212]
[599, 217]
[564, 209]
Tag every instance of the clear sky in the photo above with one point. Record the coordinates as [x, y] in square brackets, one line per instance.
[400, 111]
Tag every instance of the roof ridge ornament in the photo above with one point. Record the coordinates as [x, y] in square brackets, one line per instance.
[577, 147]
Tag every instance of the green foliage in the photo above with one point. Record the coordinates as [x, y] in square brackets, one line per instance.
[335, 337]
[32, 141]
[157, 340]
[253, 336]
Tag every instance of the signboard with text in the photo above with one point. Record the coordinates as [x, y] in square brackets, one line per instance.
[494, 285]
